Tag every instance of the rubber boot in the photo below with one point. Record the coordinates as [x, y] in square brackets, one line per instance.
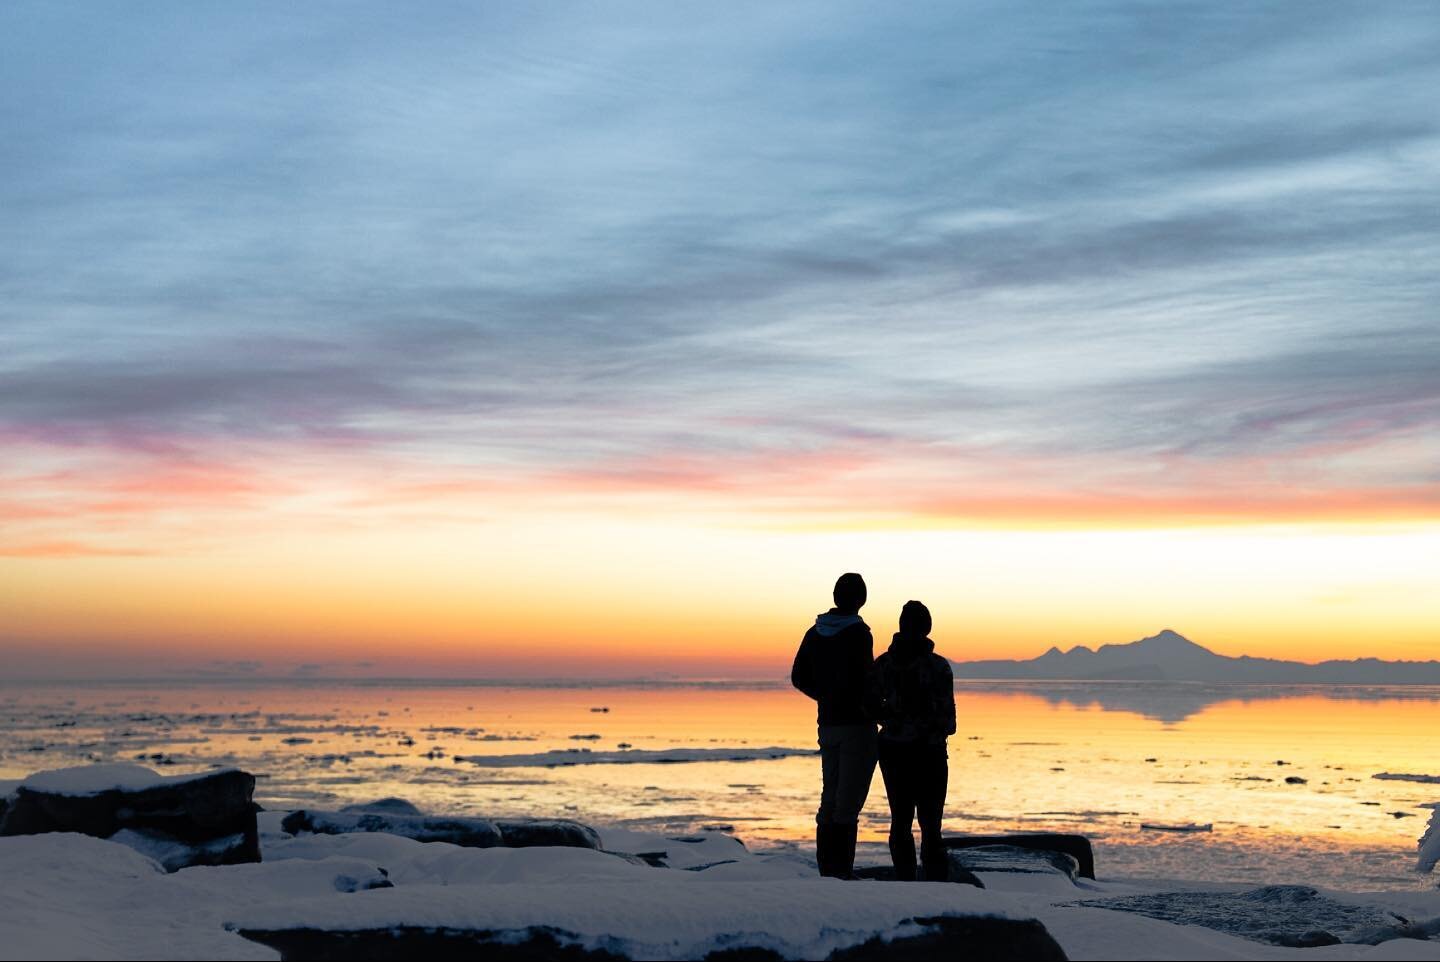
[936, 861]
[825, 849]
[845, 837]
[902, 855]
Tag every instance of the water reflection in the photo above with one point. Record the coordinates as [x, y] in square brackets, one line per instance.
[1284, 774]
[1171, 703]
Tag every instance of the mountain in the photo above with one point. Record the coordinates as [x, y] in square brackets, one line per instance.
[1170, 656]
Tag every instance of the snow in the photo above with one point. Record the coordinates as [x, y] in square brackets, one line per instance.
[1429, 844]
[659, 917]
[94, 779]
[71, 896]
[680, 851]
[632, 756]
[173, 853]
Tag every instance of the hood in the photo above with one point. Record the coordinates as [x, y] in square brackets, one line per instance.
[910, 647]
[833, 622]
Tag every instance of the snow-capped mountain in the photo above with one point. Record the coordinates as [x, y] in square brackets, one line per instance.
[1170, 656]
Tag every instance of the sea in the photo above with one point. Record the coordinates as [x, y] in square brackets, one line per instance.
[1227, 783]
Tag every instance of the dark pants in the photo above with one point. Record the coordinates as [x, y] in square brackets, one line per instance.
[847, 764]
[915, 780]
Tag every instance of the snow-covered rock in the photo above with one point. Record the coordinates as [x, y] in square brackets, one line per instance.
[468, 832]
[69, 896]
[204, 819]
[1076, 846]
[1430, 844]
[385, 806]
[1013, 858]
[650, 917]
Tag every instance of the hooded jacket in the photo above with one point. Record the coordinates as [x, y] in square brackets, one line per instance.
[831, 666]
[911, 692]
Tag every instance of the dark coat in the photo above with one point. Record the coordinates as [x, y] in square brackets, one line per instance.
[831, 667]
[911, 692]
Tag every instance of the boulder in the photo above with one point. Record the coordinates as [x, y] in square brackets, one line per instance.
[886, 873]
[466, 832]
[1076, 846]
[530, 832]
[1013, 858]
[385, 806]
[389, 816]
[946, 937]
[183, 820]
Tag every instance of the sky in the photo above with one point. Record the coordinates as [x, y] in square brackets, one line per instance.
[567, 340]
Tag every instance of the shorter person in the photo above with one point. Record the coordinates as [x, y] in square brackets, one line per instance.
[911, 692]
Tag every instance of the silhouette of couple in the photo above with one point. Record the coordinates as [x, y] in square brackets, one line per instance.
[909, 692]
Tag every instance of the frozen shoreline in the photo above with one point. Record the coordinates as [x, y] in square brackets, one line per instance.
[611, 889]
[72, 896]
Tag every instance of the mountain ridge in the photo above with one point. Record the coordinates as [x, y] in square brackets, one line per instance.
[1170, 656]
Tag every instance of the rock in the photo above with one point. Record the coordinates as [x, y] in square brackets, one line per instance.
[886, 873]
[384, 806]
[943, 937]
[949, 937]
[1076, 846]
[1291, 915]
[1294, 780]
[180, 821]
[530, 832]
[389, 816]
[1013, 858]
[466, 832]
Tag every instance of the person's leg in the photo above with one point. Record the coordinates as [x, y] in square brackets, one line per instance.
[856, 768]
[933, 776]
[825, 815]
[902, 807]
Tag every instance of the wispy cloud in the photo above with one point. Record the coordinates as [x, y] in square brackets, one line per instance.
[967, 255]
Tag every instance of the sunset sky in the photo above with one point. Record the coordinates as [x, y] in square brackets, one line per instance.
[560, 340]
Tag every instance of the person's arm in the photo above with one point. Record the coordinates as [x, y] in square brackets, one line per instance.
[802, 673]
[874, 700]
[945, 690]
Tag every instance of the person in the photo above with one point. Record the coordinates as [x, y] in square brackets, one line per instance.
[911, 691]
[831, 666]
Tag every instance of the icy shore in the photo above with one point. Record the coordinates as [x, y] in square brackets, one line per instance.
[642, 895]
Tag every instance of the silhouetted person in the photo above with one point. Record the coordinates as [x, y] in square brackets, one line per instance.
[831, 667]
[912, 693]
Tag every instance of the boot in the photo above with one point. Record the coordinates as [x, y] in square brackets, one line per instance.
[902, 855]
[845, 837]
[936, 862]
[825, 849]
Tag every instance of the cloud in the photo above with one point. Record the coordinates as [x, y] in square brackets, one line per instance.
[1121, 251]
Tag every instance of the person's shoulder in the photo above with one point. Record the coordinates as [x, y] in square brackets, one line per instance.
[940, 662]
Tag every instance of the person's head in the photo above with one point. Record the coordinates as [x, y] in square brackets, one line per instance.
[849, 592]
[915, 619]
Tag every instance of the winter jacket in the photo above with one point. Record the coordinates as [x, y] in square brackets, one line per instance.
[911, 692]
[831, 667]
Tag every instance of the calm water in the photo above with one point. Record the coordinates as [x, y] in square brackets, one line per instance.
[1097, 758]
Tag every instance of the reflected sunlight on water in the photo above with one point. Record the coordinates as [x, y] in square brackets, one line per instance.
[1096, 758]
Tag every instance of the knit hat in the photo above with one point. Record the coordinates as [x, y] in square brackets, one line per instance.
[915, 619]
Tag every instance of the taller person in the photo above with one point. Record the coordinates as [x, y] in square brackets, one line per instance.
[831, 667]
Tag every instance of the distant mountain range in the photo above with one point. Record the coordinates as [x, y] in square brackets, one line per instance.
[1170, 656]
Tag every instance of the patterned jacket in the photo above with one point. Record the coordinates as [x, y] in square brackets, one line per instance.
[911, 692]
